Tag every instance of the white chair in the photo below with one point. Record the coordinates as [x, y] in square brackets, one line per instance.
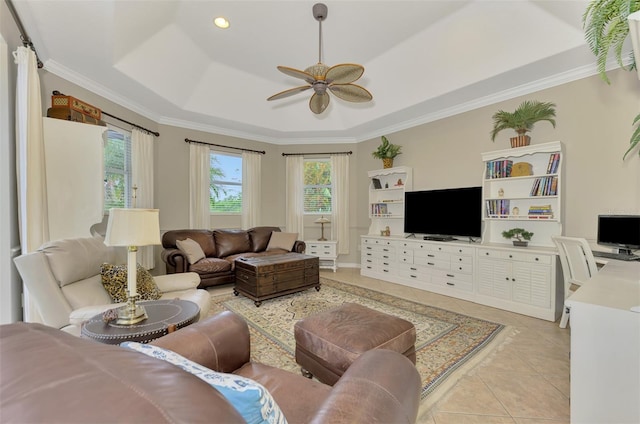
[578, 266]
[63, 278]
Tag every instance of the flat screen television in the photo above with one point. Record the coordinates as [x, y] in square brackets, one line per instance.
[621, 231]
[444, 214]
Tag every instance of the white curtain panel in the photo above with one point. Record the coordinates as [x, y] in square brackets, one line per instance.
[32, 186]
[142, 178]
[33, 219]
[199, 178]
[340, 202]
[295, 198]
[251, 188]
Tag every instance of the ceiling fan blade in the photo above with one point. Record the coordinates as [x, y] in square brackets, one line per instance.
[351, 92]
[318, 103]
[344, 73]
[296, 73]
[289, 92]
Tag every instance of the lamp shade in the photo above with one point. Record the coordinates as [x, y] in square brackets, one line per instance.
[322, 220]
[133, 227]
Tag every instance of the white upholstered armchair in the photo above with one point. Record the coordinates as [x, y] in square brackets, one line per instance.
[63, 277]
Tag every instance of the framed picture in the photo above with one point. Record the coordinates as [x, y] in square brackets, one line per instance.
[376, 183]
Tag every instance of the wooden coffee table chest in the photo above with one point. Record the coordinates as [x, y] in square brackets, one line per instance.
[266, 277]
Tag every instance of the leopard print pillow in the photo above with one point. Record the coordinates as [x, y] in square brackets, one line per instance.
[114, 280]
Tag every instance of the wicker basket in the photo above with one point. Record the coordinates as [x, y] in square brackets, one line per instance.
[387, 163]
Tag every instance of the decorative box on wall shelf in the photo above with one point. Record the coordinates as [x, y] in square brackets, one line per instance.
[326, 251]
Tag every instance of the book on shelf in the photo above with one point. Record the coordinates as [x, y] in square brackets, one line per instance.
[545, 186]
[497, 207]
[540, 212]
[499, 168]
[554, 161]
[379, 209]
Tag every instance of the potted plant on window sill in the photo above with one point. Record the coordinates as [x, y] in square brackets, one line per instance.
[520, 236]
[386, 151]
[522, 120]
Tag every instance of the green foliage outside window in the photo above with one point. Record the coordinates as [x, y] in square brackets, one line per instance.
[317, 186]
[117, 170]
[225, 185]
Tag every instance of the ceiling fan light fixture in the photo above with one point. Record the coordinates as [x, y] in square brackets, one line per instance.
[221, 22]
[338, 79]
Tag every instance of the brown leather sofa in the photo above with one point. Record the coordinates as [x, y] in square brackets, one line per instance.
[221, 248]
[47, 375]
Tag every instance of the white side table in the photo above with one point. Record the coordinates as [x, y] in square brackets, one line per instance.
[326, 251]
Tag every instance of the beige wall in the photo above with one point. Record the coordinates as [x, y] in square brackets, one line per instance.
[593, 121]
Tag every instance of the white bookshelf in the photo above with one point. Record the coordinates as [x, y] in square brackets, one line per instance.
[386, 204]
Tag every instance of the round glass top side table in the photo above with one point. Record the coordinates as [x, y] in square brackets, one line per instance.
[164, 316]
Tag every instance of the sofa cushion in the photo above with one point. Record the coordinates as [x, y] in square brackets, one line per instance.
[191, 250]
[260, 237]
[114, 280]
[281, 240]
[203, 237]
[229, 242]
[210, 265]
[251, 399]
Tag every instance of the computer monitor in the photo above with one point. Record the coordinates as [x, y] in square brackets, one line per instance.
[621, 231]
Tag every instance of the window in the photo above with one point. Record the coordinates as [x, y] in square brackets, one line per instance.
[225, 188]
[117, 169]
[317, 186]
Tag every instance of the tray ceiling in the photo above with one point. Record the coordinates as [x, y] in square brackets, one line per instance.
[423, 60]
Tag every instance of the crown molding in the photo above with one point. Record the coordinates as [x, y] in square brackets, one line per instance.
[366, 132]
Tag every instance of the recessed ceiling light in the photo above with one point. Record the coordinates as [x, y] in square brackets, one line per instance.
[221, 22]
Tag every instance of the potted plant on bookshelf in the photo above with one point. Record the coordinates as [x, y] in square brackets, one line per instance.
[386, 151]
[520, 236]
[522, 120]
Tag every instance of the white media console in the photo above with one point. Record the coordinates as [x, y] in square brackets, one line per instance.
[522, 280]
[521, 187]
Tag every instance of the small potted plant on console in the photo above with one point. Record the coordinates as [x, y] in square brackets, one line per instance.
[520, 236]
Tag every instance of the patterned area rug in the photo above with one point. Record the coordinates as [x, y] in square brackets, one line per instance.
[445, 341]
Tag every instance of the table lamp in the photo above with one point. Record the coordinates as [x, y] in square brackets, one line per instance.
[132, 228]
[322, 220]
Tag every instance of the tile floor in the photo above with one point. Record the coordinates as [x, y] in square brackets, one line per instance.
[524, 381]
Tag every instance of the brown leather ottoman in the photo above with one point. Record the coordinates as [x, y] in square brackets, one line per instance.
[327, 343]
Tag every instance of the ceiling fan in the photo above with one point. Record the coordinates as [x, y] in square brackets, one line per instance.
[337, 79]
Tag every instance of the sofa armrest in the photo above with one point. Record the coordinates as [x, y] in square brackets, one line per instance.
[175, 260]
[299, 246]
[81, 315]
[380, 386]
[220, 342]
[176, 282]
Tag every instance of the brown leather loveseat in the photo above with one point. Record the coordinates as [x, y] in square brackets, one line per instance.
[49, 376]
[221, 248]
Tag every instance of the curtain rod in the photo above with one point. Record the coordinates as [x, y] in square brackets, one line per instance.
[323, 153]
[157, 134]
[26, 41]
[262, 152]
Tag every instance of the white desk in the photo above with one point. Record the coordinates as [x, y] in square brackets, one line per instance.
[605, 346]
